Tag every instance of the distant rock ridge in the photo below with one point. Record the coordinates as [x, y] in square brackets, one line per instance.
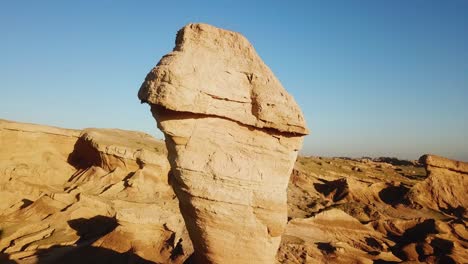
[445, 188]
[444, 163]
[233, 134]
[34, 128]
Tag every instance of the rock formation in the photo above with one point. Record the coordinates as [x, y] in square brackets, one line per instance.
[388, 211]
[102, 196]
[341, 238]
[91, 196]
[233, 135]
[446, 187]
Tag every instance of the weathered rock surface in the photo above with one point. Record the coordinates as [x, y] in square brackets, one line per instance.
[115, 148]
[386, 211]
[446, 187]
[341, 237]
[233, 134]
[340, 210]
[91, 196]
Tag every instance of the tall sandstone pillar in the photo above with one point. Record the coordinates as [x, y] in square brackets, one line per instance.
[233, 135]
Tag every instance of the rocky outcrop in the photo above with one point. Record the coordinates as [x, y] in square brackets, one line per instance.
[381, 213]
[445, 187]
[25, 148]
[433, 161]
[120, 209]
[233, 134]
[91, 196]
[116, 148]
[332, 237]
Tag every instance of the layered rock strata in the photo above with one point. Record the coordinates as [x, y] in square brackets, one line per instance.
[445, 187]
[91, 196]
[233, 135]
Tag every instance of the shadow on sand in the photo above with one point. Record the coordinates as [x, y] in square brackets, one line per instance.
[89, 230]
[417, 234]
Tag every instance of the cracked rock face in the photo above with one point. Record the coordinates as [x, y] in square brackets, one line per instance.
[233, 135]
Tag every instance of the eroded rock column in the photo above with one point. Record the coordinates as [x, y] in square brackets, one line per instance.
[233, 134]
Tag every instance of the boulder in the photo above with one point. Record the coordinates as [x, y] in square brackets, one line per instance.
[233, 134]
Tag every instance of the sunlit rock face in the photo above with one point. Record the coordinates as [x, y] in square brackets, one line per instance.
[233, 135]
[445, 187]
[89, 196]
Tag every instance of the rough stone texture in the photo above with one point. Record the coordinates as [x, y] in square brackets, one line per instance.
[446, 187]
[217, 72]
[430, 161]
[116, 148]
[341, 237]
[386, 211]
[91, 196]
[55, 213]
[233, 134]
[25, 148]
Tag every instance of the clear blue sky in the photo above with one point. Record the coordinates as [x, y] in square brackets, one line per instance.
[374, 78]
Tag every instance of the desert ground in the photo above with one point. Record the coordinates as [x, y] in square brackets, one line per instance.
[105, 196]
